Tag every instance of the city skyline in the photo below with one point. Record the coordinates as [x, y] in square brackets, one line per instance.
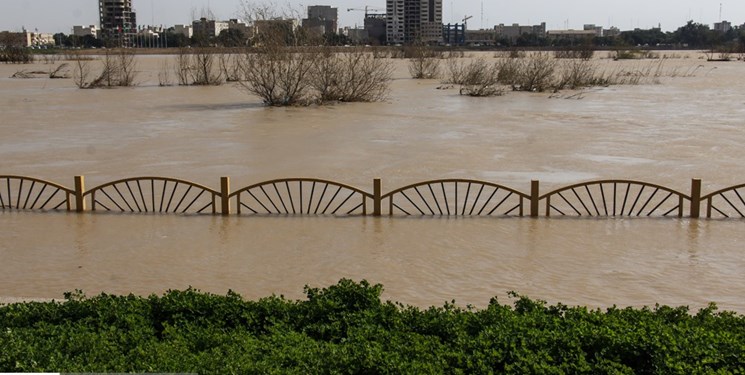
[55, 16]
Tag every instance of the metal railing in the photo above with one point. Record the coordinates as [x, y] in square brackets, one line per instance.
[153, 194]
[312, 196]
[615, 198]
[28, 193]
[300, 196]
[727, 202]
[457, 197]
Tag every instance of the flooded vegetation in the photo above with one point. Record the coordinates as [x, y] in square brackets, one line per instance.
[673, 120]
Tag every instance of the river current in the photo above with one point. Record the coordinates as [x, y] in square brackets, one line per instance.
[665, 132]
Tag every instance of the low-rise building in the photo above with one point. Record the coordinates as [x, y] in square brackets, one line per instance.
[482, 37]
[723, 26]
[322, 19]
[185, 30]
[592, 27]
[82, 31]
[236, 24]
[612, 32]
[514, 31]
[208, 28]
[41, 39]
[571, 34]
[277, 30]
[149, 37]
[26, 39]
[356, 35]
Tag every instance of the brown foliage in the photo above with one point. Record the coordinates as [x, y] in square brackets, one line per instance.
[354, 76]
[424, 62]
[278, 75]
[283, 76]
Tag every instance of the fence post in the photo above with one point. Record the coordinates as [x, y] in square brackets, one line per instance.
[377, 194]
[79, 191]
[535, 188]
[225, 196]
[695, 198]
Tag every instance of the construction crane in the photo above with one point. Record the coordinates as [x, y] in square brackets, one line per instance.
[366, 10]
[465, 20]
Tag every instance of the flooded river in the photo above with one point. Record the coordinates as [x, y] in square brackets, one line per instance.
[665, 133]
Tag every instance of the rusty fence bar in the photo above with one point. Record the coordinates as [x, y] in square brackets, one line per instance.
[308, 196]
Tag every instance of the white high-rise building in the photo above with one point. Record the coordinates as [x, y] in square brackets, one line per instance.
[414, 21]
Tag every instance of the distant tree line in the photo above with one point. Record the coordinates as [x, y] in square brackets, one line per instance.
[690, 35]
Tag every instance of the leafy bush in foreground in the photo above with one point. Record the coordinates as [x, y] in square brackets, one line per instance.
[345, 328]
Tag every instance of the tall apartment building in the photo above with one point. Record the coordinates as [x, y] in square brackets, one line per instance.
[414, 21]
[118, 21]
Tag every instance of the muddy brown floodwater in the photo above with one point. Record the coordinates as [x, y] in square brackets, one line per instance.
[665, 133]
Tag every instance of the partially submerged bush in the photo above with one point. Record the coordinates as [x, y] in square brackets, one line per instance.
[198, 66]
[509, 71]
[16, 55]
[118, 69]
[354, 76]
[721, 54]
[635, 54]
[456, 70]
[453, 54]
[60, 72]
[578, 73]
[164, 75]
[81, 70]
[516, 53]
[476, 78]
[278, 75]
[533, 73]
[583, 52]
[205, 71]
[424, 62]
[282, 76]
[381, 52]
[537, 73]
[229, 66]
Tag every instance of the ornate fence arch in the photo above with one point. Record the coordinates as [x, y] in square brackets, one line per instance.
[154, 195]
[615, 198]
[727, 202]
[28, 193]
[302, 196]
[457, 197]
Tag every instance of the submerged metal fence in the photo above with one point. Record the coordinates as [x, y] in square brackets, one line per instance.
[310, 196]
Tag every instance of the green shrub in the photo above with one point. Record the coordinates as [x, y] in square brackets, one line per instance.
[346, 328]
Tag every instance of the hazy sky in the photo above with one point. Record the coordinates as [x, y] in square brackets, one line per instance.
[61, 15]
